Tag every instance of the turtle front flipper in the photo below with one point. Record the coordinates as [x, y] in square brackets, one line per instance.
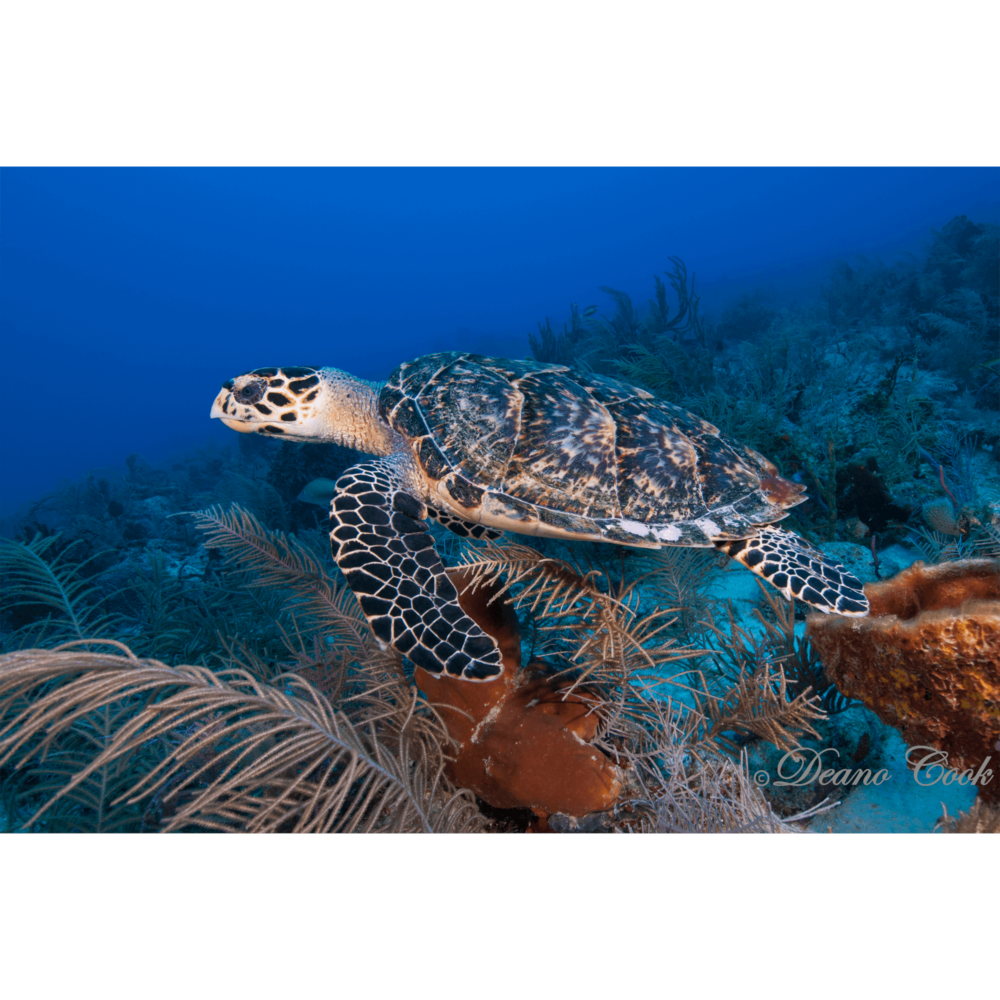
[791, 565]
[381, 544]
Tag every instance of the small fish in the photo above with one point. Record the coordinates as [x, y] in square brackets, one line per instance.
[589, 311]
[319, 492]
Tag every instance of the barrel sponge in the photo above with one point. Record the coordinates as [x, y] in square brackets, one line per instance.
[927, 659]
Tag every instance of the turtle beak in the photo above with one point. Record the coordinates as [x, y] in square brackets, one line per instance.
[217, 405]
[243, 426]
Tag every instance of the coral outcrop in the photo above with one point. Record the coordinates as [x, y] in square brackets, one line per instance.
[520, 742]
[927, 660]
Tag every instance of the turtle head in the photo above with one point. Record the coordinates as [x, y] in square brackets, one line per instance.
[305, 404]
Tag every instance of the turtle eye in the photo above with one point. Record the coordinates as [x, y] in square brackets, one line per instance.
[250, 392]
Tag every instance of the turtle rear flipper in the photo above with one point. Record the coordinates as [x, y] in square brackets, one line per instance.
[381, 544]
[792, 566]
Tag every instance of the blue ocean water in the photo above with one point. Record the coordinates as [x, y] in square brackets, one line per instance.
[846, 328]
[141, 290]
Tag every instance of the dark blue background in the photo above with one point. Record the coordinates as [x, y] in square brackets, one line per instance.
[128, 295]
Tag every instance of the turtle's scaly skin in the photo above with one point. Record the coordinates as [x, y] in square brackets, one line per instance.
[492, 444]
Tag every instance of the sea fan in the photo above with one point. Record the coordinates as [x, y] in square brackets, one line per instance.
[41, 579]
[216, 750]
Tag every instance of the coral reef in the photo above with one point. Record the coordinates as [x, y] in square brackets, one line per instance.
[880, 397]
[297, 721]
[927, 660]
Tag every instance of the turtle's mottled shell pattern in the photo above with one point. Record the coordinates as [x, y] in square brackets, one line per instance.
[543, 449]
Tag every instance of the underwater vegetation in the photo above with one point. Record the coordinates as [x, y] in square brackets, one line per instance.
[180, 653]
[334, 735]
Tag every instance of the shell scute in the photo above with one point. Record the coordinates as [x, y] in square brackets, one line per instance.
[725, 477]
[464, 493]
[431, 460]
[500, 507]
[408, 420]
[560, 520]
[657, 465]
[388, 398]
[515, 370]
[609, 390]
[566, 451]
[473, 415]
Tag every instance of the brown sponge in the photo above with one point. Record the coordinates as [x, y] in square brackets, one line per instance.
[927, 659]
[520, 743]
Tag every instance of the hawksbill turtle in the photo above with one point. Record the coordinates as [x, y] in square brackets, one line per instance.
[487, 445]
